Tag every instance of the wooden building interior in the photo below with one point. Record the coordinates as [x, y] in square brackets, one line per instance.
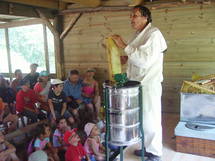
[80, 27]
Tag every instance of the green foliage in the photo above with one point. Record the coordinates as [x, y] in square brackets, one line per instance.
[2, 39]
[120, 79]
[28, 41]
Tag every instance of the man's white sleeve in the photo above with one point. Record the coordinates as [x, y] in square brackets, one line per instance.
[145, 55]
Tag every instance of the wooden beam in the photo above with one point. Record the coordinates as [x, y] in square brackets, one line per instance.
[46, 48]
[47, 22]
[23, 130]
[59, 52]
[51, 4]
[87, 10]
[163, 4]
[88, 3]
[136, 2]
[5, 20]
[13, 9]
[57, 42]
[70, 26]
[22, 23]
[8, 52]
[123, 3]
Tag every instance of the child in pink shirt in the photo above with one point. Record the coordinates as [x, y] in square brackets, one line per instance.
[93, 145]
[42, 142]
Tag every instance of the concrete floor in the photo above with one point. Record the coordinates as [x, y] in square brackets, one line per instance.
[169, 154]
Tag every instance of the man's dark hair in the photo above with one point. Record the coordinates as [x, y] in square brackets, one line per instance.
[59, 119]
[74, 72]
[40, 129]
[24, 82]
[16, 71]
[144, 12]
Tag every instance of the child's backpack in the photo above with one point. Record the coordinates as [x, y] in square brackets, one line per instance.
[30, 148]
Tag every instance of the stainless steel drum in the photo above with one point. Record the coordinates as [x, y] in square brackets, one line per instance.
[124, 114]
[124, 135]
[124, 98]
[125, 117]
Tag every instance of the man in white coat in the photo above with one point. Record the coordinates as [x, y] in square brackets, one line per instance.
[145, 64]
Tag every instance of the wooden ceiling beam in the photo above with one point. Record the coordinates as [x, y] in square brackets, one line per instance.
[70, 25]
[88, 3]
[161, 4]
[22, 23]
[13, 9]
[136, 2]
[5, 20]
[97, 9]
[48, 23]
[51, 4]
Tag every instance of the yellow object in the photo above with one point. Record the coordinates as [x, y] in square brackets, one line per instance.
[113, 54]
[197, 85]
[191, 87]
[102, 113]
[195, 77]
[211, 76]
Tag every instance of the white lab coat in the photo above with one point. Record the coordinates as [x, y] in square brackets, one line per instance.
[145, 64]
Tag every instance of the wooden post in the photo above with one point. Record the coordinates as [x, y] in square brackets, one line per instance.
[8, 53]
[70, 26]
[58, 25]
[46, 48]
[47, 22]
[58, 44]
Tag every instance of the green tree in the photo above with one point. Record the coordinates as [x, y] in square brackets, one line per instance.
[28, 41]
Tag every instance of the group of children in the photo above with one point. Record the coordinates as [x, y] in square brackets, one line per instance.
[68, 143]
[58, 98]
[71, 110]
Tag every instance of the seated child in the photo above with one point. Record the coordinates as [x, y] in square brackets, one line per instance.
[84, 118]
[7, 94]
[62, 127]
[102, 129]
[75, 151]
[42, 141]
[41, 88]
[7, 118]
[7, 150]
[92, 144]
[72, 122]
[58, 142]
[25, 102]
[57, 100]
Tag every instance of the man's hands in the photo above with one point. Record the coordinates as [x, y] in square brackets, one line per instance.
[123, 59]
[119, 42]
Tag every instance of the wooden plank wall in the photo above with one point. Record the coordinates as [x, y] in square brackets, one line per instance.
[189, 31]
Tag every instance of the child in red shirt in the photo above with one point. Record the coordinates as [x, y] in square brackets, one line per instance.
[75, 151]
[25, 102]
